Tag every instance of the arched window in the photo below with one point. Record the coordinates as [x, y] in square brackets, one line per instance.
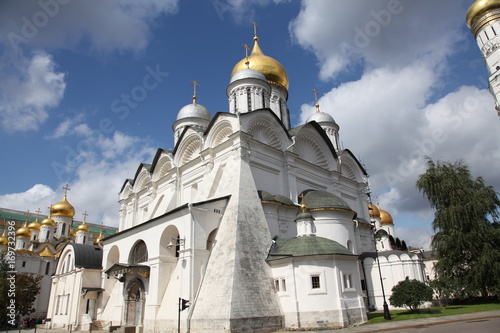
[139, 253]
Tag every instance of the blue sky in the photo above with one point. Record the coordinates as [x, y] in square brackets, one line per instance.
[88, 90]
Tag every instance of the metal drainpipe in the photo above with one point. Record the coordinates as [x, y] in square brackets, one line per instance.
[191, 286]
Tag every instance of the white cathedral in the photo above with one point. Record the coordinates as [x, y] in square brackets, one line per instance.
[260, 226]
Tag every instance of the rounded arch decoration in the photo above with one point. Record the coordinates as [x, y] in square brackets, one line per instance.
[165, 165]
[222, 134]
[170, 234]
[211, 239]
[263, 132]
[191, 150]
[350, 169]
[309, 150]
[66, 261]
[113, 256]
[139, 253]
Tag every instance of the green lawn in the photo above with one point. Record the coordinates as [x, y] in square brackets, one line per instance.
[378, 317]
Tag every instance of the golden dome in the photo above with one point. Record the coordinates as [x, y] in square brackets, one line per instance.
[385, 217]
[98, 240]
[3, 239]
[374, 211]
[34, 225]
[271, 68]
[24, 231]
[63, 208]
[83, 227]
[72, 233]
[49, 221]
[479, 8]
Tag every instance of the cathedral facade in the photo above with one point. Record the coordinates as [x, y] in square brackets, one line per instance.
[247, 224]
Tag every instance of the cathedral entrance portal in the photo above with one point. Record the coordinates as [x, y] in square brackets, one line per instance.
[134, 303]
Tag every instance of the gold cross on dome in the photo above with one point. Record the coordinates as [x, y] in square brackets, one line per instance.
[301, 198]
[194, 90]
[27, 214]
[85, 216]
[316, 99]
[38, 212]
[66, 189]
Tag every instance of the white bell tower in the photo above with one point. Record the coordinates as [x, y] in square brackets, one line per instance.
[483, 18]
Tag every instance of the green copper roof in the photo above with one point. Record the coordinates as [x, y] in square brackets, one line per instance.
[322, 199]
[305, 246]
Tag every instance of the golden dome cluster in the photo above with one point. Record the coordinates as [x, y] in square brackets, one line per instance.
[273, 71]
[374, 211]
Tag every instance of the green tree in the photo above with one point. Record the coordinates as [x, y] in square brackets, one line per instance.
[20, 289]
[410, 294]
[467, 239]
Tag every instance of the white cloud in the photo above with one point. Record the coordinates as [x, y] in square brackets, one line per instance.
[39, 196]
[382, 33]
[105, 25]
[29, 88]
[415, 237]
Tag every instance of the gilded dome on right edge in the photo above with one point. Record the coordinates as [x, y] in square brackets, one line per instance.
[478, 8]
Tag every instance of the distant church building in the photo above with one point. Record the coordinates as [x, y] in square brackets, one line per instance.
[38, 245]
[483, 18]
[259, 225]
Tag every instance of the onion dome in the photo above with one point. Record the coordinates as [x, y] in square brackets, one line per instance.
[3, 239]
[63, 208]
[99, 239]
[34, 225]
[24, 231]
[385, 217]
[271, 68]
[374, 211]
[72, 232]
[479, 8]
[83, 227]
[49, 222]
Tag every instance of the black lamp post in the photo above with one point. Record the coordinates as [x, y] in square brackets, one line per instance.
[387, 314]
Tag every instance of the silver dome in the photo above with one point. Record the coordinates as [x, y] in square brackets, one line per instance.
[248, 73]
[320, 117]
[194, 111]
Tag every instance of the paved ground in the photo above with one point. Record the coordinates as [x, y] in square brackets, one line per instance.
[399, 325]
[380, 327]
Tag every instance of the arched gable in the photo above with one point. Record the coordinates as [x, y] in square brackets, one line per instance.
[162, 164]
[219, 133]
[264, 126]
[142, 178]
[313, 147]
[350, 167]
[189, 149]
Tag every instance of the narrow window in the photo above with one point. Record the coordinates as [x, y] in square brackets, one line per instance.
[494, 32]
[315, 282]
[67, 303]
[24, 263]
[277, 285]
[283, 285]
[47, 235]
[88, 306]
[486, 34]
[57, 304]
[47, 269]
[63, 229]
